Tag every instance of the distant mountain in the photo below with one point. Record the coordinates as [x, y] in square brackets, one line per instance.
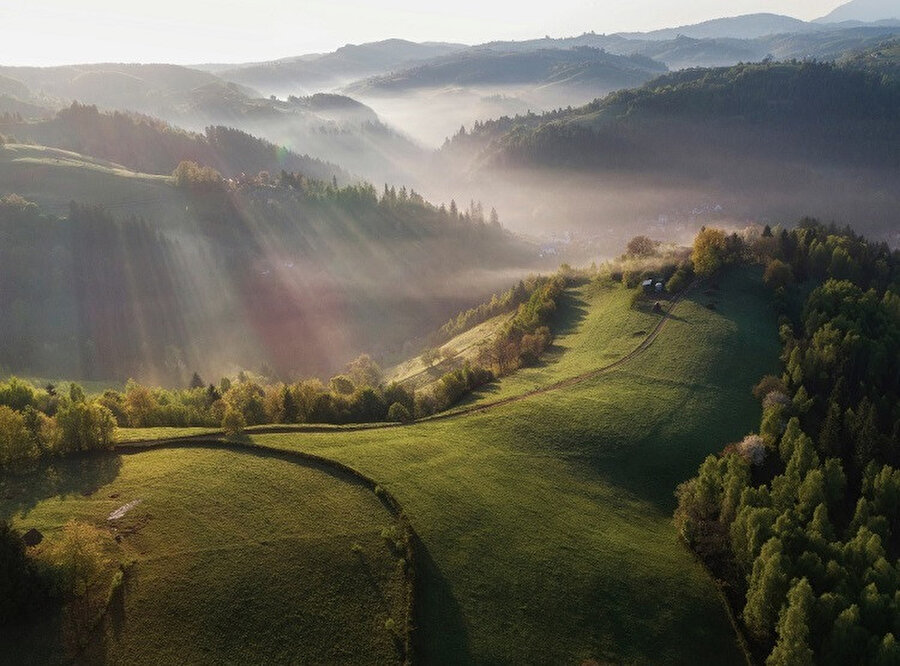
[151, 146]
[748, 26]
[115, 86]
[768, 140]
[581, 66]
[866, 11]
[302, 75]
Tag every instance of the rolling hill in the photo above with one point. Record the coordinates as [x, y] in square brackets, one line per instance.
[866, 11]
[302, 75]
[330, 128]
[169, 276]
[748, 26]
[591, 68]
[145, 144]
[546, 520]
[227, 555]
[730, 138]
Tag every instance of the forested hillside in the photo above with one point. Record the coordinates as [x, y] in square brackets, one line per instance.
[788, 110]
[756, 141]
[149, 145]
[800, 521]
[279, 270]
[583, 66]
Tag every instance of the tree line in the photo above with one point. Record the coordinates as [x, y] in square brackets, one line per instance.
[801, 521]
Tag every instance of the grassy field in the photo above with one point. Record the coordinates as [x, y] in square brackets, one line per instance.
[414, 374]
[593, 326]
[547, 520]
[240, 557]
[53, 178]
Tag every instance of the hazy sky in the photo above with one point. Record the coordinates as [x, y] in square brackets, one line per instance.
[42, 32]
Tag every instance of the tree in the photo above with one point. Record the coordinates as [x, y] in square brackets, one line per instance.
[766, 588]
[79, 557]
[342, 385]
[778, 274]
[196, 381]
[85, 426]
[363, 371]
[399, 413]
[792, 648]
[641, 246]
[233, 422]
[15, 443]
[709, 252]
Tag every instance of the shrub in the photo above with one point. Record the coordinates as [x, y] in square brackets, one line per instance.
[233, 422]
[399, 413]
[85, 426]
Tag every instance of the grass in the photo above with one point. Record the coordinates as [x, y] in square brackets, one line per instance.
[548, 520]
[53, 177]
[414, 374]
[546, 523]
[594, 325]
[126, 435]
[240, 557]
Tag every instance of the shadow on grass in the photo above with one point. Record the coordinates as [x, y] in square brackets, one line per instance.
[440, 636]
[80, 474]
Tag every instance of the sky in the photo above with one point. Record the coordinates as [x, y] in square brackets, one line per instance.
[47, 32]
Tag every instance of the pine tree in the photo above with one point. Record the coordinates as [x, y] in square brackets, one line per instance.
[793, 648]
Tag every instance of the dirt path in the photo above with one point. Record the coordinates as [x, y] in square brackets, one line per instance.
[465, 411]
[570, 381]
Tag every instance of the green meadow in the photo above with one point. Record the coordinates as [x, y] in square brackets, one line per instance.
[236, 557]
[545, 522]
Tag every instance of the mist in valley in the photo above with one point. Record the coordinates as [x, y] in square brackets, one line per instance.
[300, 277]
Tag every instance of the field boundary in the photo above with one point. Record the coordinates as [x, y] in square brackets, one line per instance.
[413, 545]
[282, 429]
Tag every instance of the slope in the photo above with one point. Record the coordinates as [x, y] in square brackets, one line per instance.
[863, 10]
[231, 557]
[171, 277]
[547, 519]
[761, 141]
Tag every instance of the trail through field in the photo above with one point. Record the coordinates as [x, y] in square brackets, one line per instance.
[645, 343]
[569, 381]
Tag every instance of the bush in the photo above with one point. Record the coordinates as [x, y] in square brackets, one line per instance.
[233, 422]
[79, 558]
[85, 426]
[399, 413]
[680, 279]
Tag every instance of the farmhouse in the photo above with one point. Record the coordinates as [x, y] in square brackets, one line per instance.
[651, 285]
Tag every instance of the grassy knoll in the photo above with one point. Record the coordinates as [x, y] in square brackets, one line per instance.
[593, 326]
[547, 520]
[240, 557]
[53, 178]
